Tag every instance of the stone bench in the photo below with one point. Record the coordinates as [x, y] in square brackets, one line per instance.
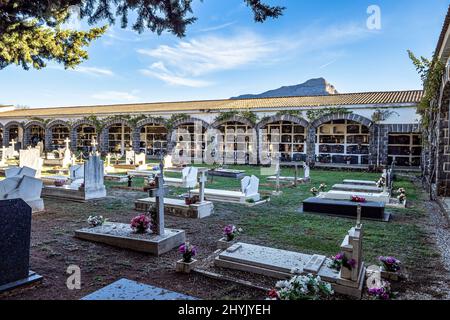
[343, 208]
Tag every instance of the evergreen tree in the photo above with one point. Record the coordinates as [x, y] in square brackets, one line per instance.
[31, 32]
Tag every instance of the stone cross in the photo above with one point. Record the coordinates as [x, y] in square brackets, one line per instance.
[202, 180]
[12, 143]
[94, 144]
[67, 141]
[159, 193]
[108, 160]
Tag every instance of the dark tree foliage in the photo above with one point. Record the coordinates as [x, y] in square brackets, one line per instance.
[31, 33]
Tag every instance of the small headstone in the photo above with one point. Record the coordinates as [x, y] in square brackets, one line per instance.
[189, 177]
[250, 185]
[15, 234]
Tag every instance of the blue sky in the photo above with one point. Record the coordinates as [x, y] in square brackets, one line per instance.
[226, 54]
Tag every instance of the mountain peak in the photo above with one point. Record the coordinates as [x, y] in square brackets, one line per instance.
[312, 87]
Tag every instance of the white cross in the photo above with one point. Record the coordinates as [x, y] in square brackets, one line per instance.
[12, 143]
[94, 143]
[67, 141]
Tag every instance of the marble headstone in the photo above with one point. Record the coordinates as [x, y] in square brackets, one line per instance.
[24, 187]
[190, 177]
[31, 158]
[20, 172]
[94, 177]
[15, 234]
[250, 185]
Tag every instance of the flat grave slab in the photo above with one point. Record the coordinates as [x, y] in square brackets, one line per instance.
[342, 208]
[278, 264]
[125, 289]
[361, 182]
[177, 207]
[346, 195]
[120, 178]
[121, 235]
[227, 173]
[227, 196]
[357, 188]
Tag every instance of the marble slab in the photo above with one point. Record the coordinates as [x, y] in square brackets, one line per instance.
[357, 188]
[347, 195]
[361, 182]
[125, 289]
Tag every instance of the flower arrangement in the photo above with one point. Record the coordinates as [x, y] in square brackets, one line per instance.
[95, 221]
[188, 251]
[358, 199]
[231, 232]
[383, 292]
[189, 200]
[59, 183]
[340, 260]
[322, 187]
[381, 183]
[151, 184]
[140, 224]
[307, 287]
[401, 195]
[390, 264]
[314, 191]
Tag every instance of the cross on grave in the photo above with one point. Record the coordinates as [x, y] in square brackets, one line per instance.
[202, 180]
[67, 141]
[159, 194]
[12, 143]
[108, 160]
[94, 144]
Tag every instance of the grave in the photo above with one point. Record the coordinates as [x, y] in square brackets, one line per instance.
[160, 241]
[4, 158]
[135, 159]
[15, 234]
[125, 289]
[178, 207]
[22, 186]
[87, 182]
[248, 193]
[227, 173]
[343, 208]
[360, 182]
[31, 158]
[296, 179]
[345, 195]
[280, 264]
[10, 152]
[67, 158]
[357, 188]
[188, 179]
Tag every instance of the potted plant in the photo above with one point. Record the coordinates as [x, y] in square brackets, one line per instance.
[391, 268]
[230, 232]
[382, 291]
[190, 200]
[338, 261]
[322, 187]
[401, 196]
[187, 263]
[140, 224]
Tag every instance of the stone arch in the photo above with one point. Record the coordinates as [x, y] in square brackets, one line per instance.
[342, 116]
[49, 135]
[239, 119]
[104, 134]
[187, 121]
[74, 132]
[6, 131]
[27, 131]
[291, 155]
[157, 148]
[286, 117]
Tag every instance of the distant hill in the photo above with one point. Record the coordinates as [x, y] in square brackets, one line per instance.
[313, 87]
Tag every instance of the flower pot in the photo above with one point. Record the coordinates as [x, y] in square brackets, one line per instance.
[185, 267]
[224, 244]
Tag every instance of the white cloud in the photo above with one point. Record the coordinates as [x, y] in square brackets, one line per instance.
[94, 71]
[116, 96]
[219, 27]
[187, 62]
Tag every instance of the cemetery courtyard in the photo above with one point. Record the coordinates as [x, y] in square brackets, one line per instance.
[416, 235]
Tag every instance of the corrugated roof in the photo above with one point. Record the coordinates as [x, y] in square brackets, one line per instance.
[364, 98]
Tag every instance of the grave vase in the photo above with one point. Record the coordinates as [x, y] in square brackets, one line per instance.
[185, 267]
[224, 244]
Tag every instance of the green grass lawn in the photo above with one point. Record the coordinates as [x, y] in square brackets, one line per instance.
[280, 224]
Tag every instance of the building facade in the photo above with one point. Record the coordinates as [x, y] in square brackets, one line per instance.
[337, 129]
